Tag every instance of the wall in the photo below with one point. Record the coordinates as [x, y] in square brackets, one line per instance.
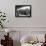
[38, 18]
[36, 23]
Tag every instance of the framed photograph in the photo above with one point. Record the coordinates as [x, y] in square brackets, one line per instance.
[23, 11]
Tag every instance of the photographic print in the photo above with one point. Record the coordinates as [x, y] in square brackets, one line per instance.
[23, 10]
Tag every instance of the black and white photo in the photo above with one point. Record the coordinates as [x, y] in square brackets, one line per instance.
[23, 10]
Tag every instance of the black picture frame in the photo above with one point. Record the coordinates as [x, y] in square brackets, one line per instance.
[23, 10]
